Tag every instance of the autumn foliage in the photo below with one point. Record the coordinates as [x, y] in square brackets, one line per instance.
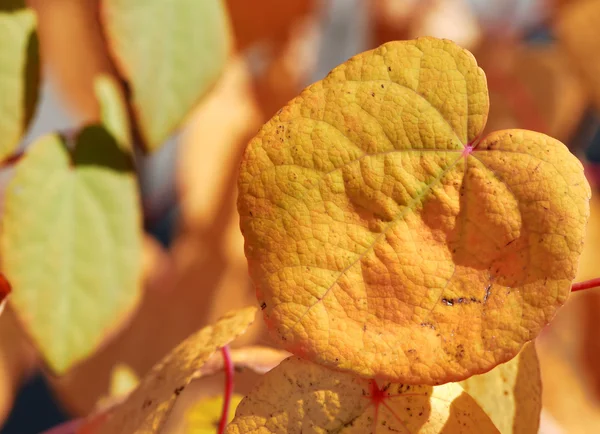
[390, 246]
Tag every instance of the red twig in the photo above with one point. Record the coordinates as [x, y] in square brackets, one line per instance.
[587, 284]
[228, 388]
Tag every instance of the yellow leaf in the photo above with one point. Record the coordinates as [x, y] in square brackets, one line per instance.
[511, 393]
[147, 408]
[204, 416]
[299, 397]
[385, 238]
[19, 73]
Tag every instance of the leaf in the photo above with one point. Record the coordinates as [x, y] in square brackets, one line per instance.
[19, 74]
[299, 396]
[147, 408]
[256, 358]
[266, 21]
[511, 393]
[385, 238]
[204, 416]
[71, 242]
[171, 53]
[113, 112]
[578, 33]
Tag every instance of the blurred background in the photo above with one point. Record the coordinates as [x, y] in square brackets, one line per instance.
[543, 67]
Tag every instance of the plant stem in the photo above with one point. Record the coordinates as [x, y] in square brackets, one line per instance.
[228, 388]
[587, 284]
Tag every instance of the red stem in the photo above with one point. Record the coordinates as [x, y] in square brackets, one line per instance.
[228, 388]
[587, 284]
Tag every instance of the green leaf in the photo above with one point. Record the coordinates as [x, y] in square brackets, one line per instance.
[71, 242]
[170, 52]
[19, 73]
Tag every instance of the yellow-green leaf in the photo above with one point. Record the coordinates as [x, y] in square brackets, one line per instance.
[299, 397]
[71, 243]
[511, 393]
[170, 52]
[19, 73]
[385, 238]
[204, 416]
[148, 407]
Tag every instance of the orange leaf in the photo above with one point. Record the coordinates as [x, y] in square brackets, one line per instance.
[384, 238]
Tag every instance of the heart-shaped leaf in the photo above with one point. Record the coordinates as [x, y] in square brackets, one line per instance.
[71, 242]
[384, 238]
[147, 408]
[19, 73]
[170, 52]
[299, 397]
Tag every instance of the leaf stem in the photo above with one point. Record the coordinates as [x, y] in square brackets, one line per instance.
[586, 284]
[228, 388]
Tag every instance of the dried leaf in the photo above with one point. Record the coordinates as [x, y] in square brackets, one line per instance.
[299, 397]
[170, 52]
[384, 238]
[58, 204]
[19, 74]
[147, 408]
[511, 393]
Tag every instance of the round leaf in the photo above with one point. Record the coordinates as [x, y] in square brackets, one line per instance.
[148, 406]
[19, 73]
[511, 393]
[170, 52]
[300, 397]
[384, 238]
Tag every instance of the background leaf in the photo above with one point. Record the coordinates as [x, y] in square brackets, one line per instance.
[19, 74]
[71, 241]
[152, 42]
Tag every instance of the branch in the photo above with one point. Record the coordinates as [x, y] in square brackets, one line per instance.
[587, 284]
[228, 388]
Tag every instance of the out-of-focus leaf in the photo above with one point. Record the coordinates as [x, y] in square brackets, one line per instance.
[578, 32]
[266, 20]
[113, 112]
[147, 408]
[298, 397]
[204, 416]
[19, 73]
[74, 52]
[533, 87]
[170, 52]
[511, 393]
[384, 237]
[71, 241]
